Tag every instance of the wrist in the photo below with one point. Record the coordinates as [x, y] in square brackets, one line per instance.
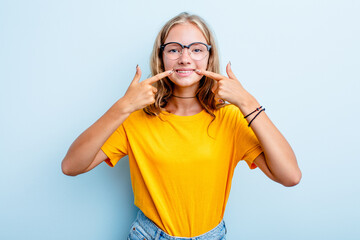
[247, 104]
[122, 107]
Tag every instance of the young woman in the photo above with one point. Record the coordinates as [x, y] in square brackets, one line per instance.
[182, 140]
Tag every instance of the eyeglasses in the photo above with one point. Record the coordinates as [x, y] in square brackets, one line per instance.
[197, 50]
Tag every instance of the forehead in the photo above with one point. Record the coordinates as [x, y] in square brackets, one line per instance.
[185, 33]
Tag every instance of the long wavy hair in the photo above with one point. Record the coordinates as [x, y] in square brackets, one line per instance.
[165, 87]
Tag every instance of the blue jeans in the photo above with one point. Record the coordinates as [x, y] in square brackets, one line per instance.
[144, 229]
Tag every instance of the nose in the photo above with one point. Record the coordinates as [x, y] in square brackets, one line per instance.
[185, 57]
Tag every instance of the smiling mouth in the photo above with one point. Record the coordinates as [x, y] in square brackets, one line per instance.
[184, 71]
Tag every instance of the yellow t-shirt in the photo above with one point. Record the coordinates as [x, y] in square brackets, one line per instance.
[181, 167]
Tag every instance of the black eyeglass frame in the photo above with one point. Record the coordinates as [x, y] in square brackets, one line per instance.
[208, 47]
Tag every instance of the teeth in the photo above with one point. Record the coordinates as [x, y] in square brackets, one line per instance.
[183, 71]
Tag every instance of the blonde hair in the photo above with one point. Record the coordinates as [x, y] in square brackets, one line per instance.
[164, 86]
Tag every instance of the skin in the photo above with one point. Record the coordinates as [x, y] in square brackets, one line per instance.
[278, 161]
[185, 86]
[84, 153]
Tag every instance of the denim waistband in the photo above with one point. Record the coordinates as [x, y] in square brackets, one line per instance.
[156, 233]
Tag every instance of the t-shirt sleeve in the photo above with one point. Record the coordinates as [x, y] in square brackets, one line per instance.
[116, 146]
[247, 145]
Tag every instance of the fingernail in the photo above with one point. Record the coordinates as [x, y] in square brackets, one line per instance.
[170, 72]
[197, 70]
[230, 63]
[221, 101]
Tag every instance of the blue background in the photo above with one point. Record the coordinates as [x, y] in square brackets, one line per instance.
[64, 63]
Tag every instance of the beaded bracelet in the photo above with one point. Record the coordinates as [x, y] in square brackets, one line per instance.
[257, 109]
[256, 116]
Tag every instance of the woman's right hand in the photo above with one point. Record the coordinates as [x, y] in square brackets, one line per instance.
[141, 94]
[85, 152]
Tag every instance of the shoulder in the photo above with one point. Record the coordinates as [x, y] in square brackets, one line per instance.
[228, 110]
[230, 115]
[137, 116]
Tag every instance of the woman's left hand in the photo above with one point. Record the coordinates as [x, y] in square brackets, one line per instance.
[280, 163]
[229, 88]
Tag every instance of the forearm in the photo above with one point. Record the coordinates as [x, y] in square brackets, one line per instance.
[280, 161]
[84, 149]
[279, 155]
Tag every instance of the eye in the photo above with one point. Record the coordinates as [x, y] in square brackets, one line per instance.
[197, 50]
[173, 50]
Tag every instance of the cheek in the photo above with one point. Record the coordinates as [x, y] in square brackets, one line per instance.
[168, 65]
[203, 64]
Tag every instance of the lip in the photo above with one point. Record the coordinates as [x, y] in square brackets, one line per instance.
[186, 72]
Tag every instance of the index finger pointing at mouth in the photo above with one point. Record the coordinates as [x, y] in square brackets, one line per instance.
[158, 77]
[211, 75]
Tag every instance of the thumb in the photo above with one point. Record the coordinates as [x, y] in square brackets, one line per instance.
[229, 71]
[137, 75]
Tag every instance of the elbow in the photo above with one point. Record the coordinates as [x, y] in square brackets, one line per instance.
[293, 180]
[66, 169]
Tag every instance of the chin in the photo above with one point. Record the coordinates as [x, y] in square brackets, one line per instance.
[185, 81]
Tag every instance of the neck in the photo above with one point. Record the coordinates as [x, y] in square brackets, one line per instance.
[183, 97]
[185, 104]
